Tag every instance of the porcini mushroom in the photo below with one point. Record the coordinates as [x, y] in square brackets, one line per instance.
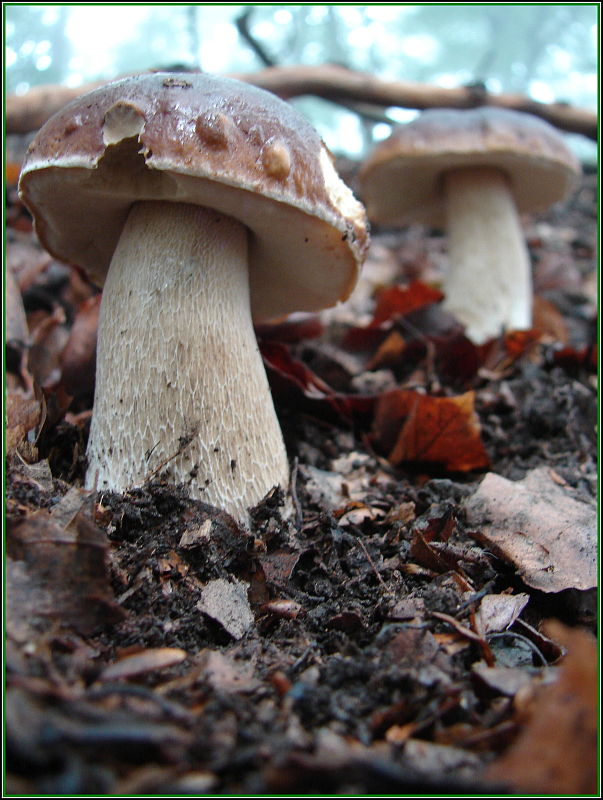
[473, 172]
[201, 204]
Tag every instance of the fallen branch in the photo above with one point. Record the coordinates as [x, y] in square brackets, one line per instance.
[28, 112]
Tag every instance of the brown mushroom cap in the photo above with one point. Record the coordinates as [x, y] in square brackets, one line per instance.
[205, 140]
[401, 179]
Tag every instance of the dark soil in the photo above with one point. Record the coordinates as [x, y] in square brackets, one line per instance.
[352, 679]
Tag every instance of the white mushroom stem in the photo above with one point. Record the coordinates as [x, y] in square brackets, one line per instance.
[181, 390]
[488, 286]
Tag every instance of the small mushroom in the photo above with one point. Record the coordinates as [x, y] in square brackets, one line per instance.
[201, 204]
[473, 172]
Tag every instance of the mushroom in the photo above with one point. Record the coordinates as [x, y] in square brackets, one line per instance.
[474, 172]
[200, 204]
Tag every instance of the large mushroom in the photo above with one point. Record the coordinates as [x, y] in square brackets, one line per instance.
[473, 172]
[201, 204]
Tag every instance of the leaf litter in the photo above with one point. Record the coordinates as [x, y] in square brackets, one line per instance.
[391, 637]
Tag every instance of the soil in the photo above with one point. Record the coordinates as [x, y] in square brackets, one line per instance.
[342, 655]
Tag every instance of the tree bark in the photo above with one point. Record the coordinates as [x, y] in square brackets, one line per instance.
[28, 112]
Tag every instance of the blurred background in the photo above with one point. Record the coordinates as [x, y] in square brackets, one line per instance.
[544, 52]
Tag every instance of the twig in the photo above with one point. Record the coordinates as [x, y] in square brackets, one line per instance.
[371, 562]
[468, 634]
[294, 497]
[242, 23]
[183, 443]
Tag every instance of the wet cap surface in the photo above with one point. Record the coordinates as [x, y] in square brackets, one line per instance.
[195, 138]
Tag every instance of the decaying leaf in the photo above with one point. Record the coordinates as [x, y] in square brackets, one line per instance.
[437, 759]
[227, 603]
[225, 673]
[15, 320]
[557, 751]
[413, 427]
[538, 526]
[506, 681]
[57, 575]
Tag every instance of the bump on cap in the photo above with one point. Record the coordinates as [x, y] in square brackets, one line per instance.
[207, 140]
[400, 181]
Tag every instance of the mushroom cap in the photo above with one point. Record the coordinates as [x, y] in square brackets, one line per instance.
[401, 180]
[205, 140]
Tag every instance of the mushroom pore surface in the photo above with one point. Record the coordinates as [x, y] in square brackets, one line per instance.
[181, 389]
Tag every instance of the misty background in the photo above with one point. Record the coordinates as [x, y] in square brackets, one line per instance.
[545, 52]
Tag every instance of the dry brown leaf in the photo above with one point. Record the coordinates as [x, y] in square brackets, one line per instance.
[539, 527]
[548, 320]
[497, 612]
[15, 320]
[227, 674]
[557, 751]
[509, 681]
[149, 660]
[24, 414]
[49, 337]
[57, 576]
[438, 759]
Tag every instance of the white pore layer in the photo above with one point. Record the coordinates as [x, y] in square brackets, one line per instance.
[181, 390]
[488, 285]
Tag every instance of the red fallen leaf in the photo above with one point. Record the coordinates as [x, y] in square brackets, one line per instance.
[517, 343]
[549, 321]
[426, 556]
[457, 359]
[440, 430]
[437, 525]
[389, 353]
[358, 340]
[294, 379]
[571, 359]
[394, 301]
[500, 353]
[294, 328]
[401, 300]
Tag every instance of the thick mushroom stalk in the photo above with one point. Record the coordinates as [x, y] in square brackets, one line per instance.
[488, 285]
[181, 390]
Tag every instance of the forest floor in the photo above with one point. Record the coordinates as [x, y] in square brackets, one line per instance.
[424, 624]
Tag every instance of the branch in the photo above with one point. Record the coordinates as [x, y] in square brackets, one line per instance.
[242, 23]
[338, 84]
